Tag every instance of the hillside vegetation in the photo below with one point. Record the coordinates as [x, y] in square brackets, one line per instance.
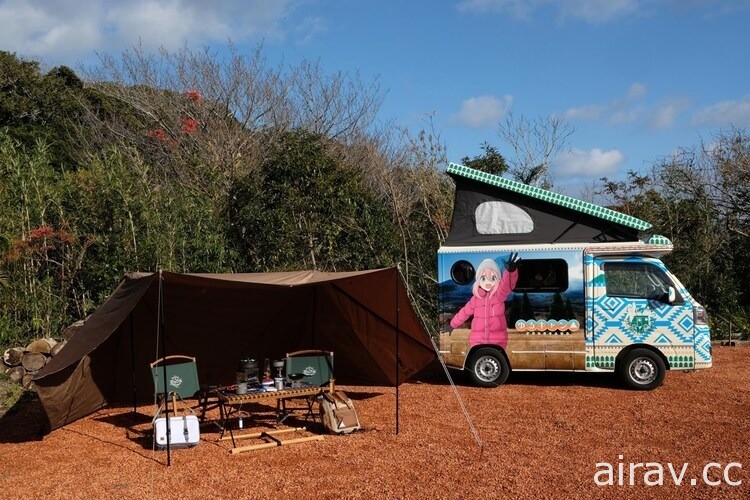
[194, 162]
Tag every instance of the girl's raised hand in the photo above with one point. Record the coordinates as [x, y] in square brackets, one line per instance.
[512, 263]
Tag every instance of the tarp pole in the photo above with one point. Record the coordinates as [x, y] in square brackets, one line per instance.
[164, 364]
[398, 278]
[132, 362]
[315, 317]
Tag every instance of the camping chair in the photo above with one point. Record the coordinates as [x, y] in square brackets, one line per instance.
[182, 380]
[310, 367]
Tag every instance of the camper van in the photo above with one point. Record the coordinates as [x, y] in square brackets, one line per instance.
[531, 280]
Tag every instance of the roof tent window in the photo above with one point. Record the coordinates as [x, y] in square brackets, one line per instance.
[499, 217]
[542, 276]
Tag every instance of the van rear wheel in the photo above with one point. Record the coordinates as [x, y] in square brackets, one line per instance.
[643, 370]
[488, 367]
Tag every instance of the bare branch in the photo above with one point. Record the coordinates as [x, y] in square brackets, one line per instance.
[535, 144]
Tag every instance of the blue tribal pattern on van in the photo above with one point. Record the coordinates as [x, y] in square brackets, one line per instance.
[640, 325]
[702, 346]
[613, 323]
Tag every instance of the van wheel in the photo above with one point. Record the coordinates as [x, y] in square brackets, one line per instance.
[643, 370]
[488, 367]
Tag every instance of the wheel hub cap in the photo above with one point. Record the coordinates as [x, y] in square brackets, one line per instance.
[643, 371]
[487, 368]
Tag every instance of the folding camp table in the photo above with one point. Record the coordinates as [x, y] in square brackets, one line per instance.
[231, 404]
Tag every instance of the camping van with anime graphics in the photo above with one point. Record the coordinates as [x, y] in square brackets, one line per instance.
[531, 280]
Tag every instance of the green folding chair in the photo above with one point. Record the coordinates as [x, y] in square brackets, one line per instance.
[310, 367]
[181, 378]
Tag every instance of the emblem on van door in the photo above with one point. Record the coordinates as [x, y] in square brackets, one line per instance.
[638, 320]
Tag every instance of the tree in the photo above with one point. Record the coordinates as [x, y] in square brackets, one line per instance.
[719, 173]
[535, 144]
[698, 198]
[527, 312]
[516, 310]
[303, 208]
[557, 309]
[67, 237]
[38, 257]
[569, 314]
[192, 162]
[635, 195]
[36, 106]
[491, 161]
[207, 120]
[425, 216]
[708, 188]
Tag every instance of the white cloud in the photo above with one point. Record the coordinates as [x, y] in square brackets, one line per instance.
[593, 163]
[620, 110]
[587, 112]
[597, 11]
[636, 91]
[590, 11]
[520, 9]
[666, 112]
[483, 111]
[624, 116]
[65, 29]
[630, 109]
[725, 113]
[602, 11]
[310, 28]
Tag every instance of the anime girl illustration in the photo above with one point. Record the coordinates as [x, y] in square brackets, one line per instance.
[487, 304]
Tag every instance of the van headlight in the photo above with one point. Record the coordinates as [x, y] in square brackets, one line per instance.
[700, 316]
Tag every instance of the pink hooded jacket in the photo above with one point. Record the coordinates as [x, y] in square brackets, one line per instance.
[489, 325]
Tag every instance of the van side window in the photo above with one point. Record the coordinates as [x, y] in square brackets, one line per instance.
[462, 272]
[637, 280]
[542, 276]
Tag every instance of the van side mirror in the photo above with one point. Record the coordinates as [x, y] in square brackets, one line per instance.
[671, 295]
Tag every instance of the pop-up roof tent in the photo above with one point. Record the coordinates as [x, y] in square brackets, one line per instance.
[364, 317]
[492, 210]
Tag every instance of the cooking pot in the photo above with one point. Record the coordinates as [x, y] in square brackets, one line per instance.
[250, 367]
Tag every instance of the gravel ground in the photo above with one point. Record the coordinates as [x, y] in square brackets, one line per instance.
[543, 435]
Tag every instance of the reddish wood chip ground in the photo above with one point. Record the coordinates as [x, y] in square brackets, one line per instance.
[543, 436]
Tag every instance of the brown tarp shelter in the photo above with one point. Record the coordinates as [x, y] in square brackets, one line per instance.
[365, 318]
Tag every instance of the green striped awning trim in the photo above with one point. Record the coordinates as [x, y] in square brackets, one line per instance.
[657, 239]
[548, 196]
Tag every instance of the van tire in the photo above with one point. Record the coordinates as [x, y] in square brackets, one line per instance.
[642, 369]
[488, 367]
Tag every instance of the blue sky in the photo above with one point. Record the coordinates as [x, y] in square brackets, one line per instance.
[636, 78]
